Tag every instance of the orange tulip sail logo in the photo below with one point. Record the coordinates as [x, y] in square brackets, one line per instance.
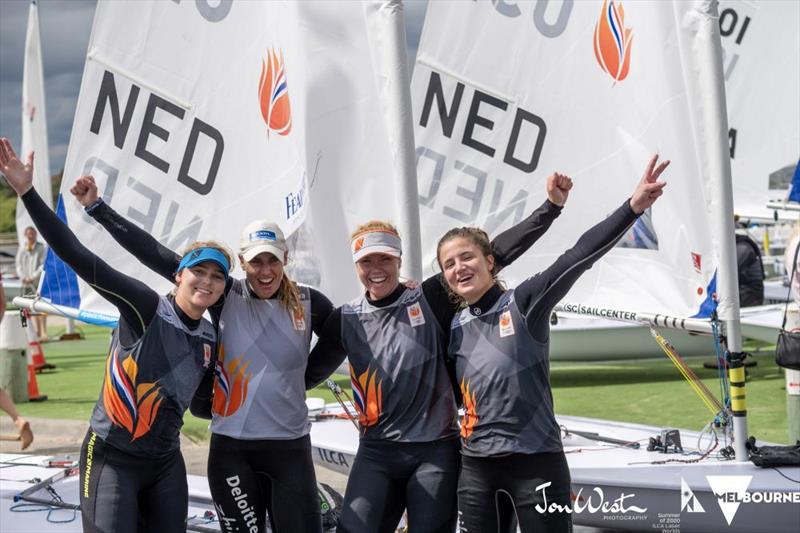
[368, 396]
[612, 41]
[273, 93]
[129, 405]
[470, 411]
[230, 385]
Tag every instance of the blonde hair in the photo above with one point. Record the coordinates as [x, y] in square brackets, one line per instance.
[479, 238]
[289, 297]
[375, 225]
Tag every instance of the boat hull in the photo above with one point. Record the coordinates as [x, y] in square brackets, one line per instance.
[633, 489]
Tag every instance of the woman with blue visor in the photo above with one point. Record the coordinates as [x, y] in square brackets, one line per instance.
[260, 467]
[133, 476]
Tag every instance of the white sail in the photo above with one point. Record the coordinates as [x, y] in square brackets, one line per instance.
[761, 58]
[195, 120]
[34, 119]
[506, 94]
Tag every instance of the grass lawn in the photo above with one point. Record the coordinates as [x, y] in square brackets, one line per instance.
[647, 392]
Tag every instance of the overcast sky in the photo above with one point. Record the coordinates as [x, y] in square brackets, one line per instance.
[65, 26]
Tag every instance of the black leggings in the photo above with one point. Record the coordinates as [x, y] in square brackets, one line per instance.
[495, 493]
[388, 477]
[250, 478]
[124, 493]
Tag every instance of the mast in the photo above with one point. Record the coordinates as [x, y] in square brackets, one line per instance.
[395, 91]
[712, 84]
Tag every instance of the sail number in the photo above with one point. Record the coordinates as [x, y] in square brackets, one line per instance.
[212, 10]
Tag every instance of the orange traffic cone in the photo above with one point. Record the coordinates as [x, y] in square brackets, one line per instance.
[34, 346]
[33, 387]
[37, 355]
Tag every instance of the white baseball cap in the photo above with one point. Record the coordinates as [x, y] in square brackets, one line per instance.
[262, 236]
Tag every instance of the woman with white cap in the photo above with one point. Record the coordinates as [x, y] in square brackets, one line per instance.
[260, 454]
[132, 472]
[396, 340]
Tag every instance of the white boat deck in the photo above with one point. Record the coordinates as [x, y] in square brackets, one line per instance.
[645, 479]
[17, 472]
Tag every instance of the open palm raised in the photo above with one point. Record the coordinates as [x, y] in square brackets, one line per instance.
[18, 175]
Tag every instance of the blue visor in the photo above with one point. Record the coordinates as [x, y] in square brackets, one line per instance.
[201, 255]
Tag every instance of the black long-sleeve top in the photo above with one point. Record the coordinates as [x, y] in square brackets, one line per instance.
[506, 248]
[537, 296]
[164, 261]
[137, 303]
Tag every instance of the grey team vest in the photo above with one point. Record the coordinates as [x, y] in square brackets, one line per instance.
[504, 374]
[259, 390]
[397, 371]
[149, 385]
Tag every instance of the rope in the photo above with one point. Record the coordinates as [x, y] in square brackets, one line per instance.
[338, 392]
[697, 385]
[57, 504]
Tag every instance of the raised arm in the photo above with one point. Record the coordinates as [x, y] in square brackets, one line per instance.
[137, 303]
[135, 240]
[537, 296]
[506, 247]
[515, 241]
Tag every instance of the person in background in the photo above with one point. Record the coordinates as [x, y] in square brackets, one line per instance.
[791, 249]
[29, 263]
[750, 268]
[6, 403]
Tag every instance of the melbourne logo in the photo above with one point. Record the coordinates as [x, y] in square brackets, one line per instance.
[612, 41]
[273, 94]
[730, 491]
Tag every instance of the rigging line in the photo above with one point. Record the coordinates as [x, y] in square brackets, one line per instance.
[688, 371]
[722, 375]
[784, 475]
[704, 395]
[694, 381]
[337, 393]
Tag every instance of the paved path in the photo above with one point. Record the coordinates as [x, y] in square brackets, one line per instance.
[64, 437]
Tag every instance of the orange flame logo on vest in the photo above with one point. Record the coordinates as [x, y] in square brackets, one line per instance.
[612, 41]
[470, 417]
[230, 385]
[273, 93]
[367, 394]
[129, 405]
